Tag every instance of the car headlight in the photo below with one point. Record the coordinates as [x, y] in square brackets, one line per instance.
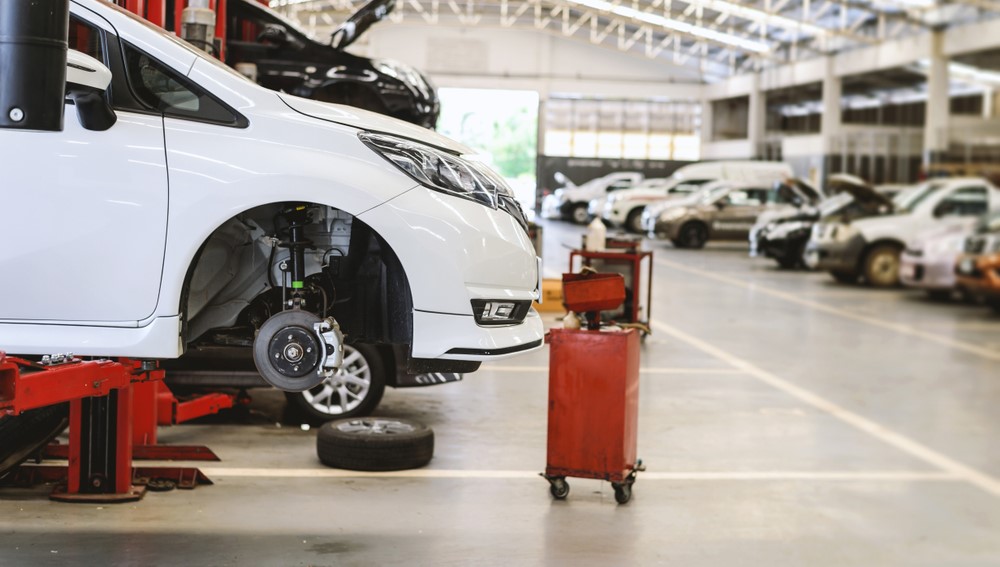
[439, 170]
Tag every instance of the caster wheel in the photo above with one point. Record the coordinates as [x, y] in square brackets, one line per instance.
[623, 492]
[559, 488]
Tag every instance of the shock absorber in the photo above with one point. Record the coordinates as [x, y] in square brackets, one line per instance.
[297, 216]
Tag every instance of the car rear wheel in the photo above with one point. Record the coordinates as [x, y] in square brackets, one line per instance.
[579, 214]
[355, 390]
[634, 220]
[882, 266]
[693, 235]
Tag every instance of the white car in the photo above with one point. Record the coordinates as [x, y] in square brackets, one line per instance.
[625, 207]
[928, 261]
[871, 247]
[571, 201]
[211, 209]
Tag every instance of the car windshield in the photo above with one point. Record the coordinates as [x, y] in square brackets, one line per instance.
[713, 193]
[281, 19]
[908, 200]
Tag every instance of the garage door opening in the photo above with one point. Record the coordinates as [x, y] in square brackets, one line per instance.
[502, 126]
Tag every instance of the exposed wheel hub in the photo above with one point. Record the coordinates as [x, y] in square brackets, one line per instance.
[296, 350]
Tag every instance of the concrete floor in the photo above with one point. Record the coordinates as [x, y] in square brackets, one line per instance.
[784, 420]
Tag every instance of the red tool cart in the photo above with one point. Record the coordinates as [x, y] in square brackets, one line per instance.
[593, 393]
[635, 266]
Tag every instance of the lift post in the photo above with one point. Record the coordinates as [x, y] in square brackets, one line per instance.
[100, 448]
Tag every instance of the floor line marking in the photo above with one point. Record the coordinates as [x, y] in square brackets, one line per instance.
[886, 435]
[726, 371]
[888, 476]
[895, 327]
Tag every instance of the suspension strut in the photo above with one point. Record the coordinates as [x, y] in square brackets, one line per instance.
[297, 216]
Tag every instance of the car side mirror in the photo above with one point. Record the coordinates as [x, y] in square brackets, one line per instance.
[87, 81]
[273, 33]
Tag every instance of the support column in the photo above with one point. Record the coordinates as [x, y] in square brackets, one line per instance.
[706, 126]
[830, 123]
[938, 104]
[756, 117]
[989, 94]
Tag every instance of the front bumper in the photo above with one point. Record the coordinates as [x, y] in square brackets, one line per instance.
[979, 275]
[927, 273]
[835, 255]
[454, 251]
[781, 248]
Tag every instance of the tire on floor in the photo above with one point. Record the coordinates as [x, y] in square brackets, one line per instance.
[375, 444]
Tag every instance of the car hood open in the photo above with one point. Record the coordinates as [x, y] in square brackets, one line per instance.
[860, 190]
[359, 22]
[372, 122]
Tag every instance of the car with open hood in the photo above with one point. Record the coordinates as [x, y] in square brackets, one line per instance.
[978, 266]
[186, 207]
[721, 210]
[288, 59]
[570, 202]
[850, 248]
[625, 207]
[782, 234]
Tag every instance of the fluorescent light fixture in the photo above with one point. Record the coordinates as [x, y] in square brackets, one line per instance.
[760, 16]
[674, 25]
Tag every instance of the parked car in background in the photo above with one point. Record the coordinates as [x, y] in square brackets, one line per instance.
[928, 261]
[570, 202]
[251, 220]
[978, 267]
[722, 210]
[625, 207]
[287, 59]
[870, 248]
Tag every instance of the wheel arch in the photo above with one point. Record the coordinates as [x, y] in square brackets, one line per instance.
[400, 314]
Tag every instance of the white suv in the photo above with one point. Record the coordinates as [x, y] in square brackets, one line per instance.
[209, 210]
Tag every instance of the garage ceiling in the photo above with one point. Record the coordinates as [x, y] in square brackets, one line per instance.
[720, 37]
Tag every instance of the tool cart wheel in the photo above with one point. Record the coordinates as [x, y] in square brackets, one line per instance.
[559, 488]
[623, 492]
[375, 444]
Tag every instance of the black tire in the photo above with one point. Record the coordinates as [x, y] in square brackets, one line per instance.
[693, 235]
[623, 492]
[881, 266]
[361, 362]
[578, 214]
[633, 222]
[939, 294]
[994, 304]
[24, 435]
[375, 444]
[787, 262]
[559, 488]
[845, 277]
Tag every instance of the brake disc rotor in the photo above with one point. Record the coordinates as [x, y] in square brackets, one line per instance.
[288, 352]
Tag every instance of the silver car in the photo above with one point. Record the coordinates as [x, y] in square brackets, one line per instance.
[721, 211]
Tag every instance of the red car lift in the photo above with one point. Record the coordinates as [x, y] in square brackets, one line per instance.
[100, 449]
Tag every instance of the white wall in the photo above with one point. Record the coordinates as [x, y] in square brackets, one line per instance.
[522, 59]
